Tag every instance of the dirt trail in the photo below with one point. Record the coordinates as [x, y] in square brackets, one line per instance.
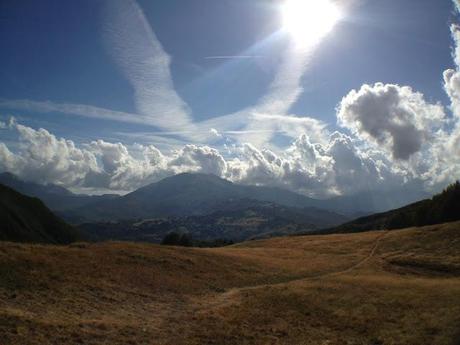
[359, 264]
[231, 296]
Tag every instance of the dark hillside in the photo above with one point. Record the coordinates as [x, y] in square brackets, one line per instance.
[442, 208]
[26, 219]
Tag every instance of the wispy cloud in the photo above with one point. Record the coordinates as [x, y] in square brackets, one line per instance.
[229, 57]
[73, 109]
[270, 115]
[258, 129]
[286, 87]
[145, 64]
[162, 141]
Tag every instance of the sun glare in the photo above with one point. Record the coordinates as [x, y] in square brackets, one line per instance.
[309, 20]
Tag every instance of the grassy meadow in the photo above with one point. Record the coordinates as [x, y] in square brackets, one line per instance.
[372, 288]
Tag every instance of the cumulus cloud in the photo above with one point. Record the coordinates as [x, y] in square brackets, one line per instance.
[215, 133]
[313, 169]
[8, 160]
[447, 151]
[338, 165]
[452, 76]
[42, 157]
[391, 116]
[457, 4]
[201, 159]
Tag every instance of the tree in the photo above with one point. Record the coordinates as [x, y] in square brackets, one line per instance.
[177, 239]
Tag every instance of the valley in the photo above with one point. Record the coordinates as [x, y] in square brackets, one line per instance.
[235, 220]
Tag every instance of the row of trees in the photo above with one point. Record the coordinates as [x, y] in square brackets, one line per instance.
[442, 208]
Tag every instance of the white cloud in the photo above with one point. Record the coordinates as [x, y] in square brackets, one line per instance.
[308, 168]
[355, 169]
[336, 166]
[259, 129]
[43, 158]
[201, 159]
[447, 150]
[391, 116]
[457, 4]
[444, 165]
[215, 133]
[119, 168]
[452, 76]
[8, 160]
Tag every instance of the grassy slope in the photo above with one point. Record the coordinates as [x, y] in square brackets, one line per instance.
[399, 287]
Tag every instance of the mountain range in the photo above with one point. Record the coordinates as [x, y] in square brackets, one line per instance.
[188, 195]
[197, 194]
[205, 207]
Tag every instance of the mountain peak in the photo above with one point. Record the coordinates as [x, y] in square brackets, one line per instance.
[189, 194]
[196, 176]
[187, 180]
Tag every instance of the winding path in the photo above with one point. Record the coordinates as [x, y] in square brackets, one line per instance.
[228, 297]
[355, 266]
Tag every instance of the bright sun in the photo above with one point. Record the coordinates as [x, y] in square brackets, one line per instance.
[309, 20]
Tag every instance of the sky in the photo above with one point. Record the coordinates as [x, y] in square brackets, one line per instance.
[114, 94]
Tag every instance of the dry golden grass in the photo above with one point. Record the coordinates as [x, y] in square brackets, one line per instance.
[399, 287]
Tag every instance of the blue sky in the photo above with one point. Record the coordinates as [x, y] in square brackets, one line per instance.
[55, 51]
[207, 59]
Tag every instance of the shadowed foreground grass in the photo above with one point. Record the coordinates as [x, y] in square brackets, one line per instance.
[372, 288]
